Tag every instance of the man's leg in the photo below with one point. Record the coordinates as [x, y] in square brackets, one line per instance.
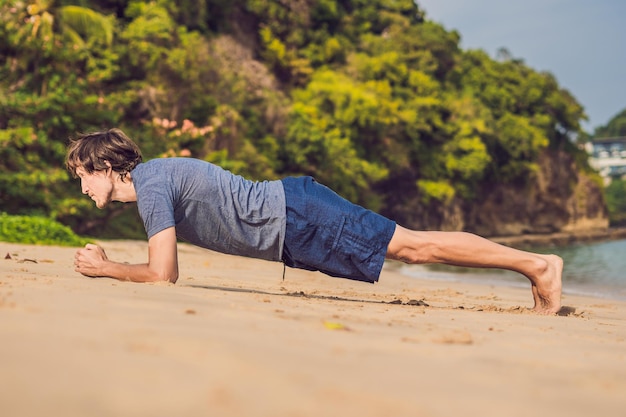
[469, 250]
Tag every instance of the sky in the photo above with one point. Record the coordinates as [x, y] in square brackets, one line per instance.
[581, 42]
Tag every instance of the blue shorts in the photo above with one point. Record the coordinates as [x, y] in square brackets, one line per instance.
[327, 233]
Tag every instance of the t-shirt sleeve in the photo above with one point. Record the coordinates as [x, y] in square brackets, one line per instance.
[155, 200]
[157, 214]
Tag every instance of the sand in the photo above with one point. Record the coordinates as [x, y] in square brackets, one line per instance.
[231, 338]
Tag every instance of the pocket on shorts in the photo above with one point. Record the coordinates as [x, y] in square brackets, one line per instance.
[338, 232]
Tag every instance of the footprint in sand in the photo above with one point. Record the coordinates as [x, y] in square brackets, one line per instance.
[454, 337]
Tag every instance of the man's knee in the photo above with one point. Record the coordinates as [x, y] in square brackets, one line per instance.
[410, 246]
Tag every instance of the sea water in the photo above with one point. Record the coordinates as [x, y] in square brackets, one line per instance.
[597, 269]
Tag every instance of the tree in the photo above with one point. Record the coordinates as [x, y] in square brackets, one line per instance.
[41, 102]
[369, 96]
[616, 127]
[616, 202]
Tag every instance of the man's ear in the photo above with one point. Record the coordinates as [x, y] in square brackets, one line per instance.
[109, 169]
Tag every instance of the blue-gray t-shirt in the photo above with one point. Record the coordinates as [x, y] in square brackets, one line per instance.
[211, 207]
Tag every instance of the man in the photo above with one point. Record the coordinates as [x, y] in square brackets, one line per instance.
[295, 220]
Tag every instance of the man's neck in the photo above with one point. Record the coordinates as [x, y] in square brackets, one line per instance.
[124, 190]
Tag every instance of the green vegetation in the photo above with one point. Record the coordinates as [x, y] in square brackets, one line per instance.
[616, 202]
[616, 127]
[37, 230]
[369, 96]
[615, 192]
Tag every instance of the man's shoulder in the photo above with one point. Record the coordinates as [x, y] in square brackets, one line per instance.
[173, 162]
[171, 165]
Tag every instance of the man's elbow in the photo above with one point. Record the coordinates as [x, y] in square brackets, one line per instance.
[168, 277]
[163, 276]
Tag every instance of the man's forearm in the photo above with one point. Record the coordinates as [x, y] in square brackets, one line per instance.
[134, 272]
[92, 261]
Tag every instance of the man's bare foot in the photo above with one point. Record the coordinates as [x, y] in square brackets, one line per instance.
[546, 286]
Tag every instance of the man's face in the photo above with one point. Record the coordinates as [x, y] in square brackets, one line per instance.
[98, 185]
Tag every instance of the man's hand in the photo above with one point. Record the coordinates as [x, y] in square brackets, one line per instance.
[90, 260]
[162, 264]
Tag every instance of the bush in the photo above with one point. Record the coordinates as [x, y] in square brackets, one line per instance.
[37, 230]
[616, 202]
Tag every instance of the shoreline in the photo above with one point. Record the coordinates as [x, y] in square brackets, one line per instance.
[561, 238]
[506, 279]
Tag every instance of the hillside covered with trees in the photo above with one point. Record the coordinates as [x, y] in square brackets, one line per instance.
[369, 96]
[616, 191]
[616, 127]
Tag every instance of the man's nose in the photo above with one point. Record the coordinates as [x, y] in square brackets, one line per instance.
[83, 187]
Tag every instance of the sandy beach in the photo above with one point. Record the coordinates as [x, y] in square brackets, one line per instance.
[232, 338]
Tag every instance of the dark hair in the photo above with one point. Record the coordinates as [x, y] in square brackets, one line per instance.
[90, 151]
